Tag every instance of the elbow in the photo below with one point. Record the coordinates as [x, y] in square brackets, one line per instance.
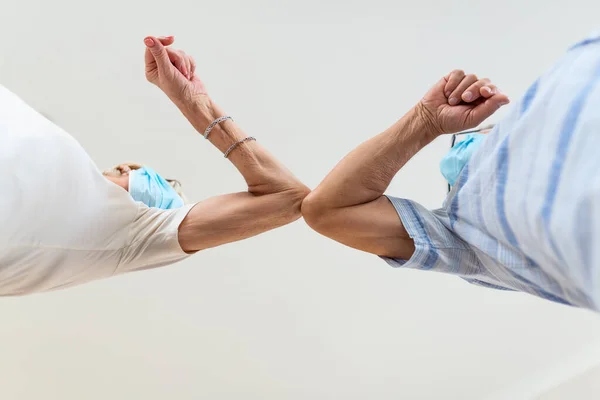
[316, 212]
[293, 201]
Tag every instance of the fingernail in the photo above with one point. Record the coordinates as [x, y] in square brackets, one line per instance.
[448, 93]
[453, 101]
[467, 96]
[149, 42]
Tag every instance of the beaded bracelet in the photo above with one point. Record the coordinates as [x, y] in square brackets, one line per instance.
[214, 123]
[236, 144]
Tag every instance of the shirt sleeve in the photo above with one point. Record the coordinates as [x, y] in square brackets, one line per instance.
[436, 247]
[153, 239]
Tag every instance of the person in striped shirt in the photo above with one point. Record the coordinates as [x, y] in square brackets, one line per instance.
[524, 213]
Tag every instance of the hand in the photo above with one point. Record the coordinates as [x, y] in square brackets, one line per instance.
[173, 71]
[458, 102]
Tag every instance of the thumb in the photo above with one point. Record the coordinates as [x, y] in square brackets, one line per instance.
[482, 111]
[158, 52]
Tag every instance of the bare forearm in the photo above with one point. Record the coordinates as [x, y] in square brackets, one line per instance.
[236, 216]
[364, 174]
[349, 207]
[274, 195]
[273, 198]
[262, 172]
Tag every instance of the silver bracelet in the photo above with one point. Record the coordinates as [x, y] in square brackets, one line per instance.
[214, 123]
[236, 144]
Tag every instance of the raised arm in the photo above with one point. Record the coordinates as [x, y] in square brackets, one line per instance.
[349, 205]
[273, 196]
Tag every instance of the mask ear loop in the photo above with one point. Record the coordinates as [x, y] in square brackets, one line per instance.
[454, 135]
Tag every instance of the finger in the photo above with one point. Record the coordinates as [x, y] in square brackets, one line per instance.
[452, 81]
[177, 60]
[192, 67]
[488, 91]
[149, 60]
[167, 40]
[481, 112]
[158, 52]
[473, 92]
[188, 65]
[456, 95]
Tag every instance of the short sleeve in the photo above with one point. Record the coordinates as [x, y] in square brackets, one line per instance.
[153, 239]
[436, 247]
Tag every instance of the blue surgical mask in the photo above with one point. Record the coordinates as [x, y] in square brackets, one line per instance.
[148, 187]
[459, 155]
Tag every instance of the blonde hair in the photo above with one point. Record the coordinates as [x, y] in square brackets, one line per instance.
[116, 172]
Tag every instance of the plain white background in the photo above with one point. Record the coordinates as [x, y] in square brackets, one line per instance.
[287, 315]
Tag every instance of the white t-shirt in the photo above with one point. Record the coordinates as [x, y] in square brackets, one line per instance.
[61, 222]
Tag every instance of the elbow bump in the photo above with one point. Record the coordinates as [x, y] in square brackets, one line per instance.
[314, 212]
[293, 201]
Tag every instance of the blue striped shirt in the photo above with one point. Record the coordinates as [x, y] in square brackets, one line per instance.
[524, 214]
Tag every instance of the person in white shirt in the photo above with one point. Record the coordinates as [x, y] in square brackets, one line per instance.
[65, 223]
